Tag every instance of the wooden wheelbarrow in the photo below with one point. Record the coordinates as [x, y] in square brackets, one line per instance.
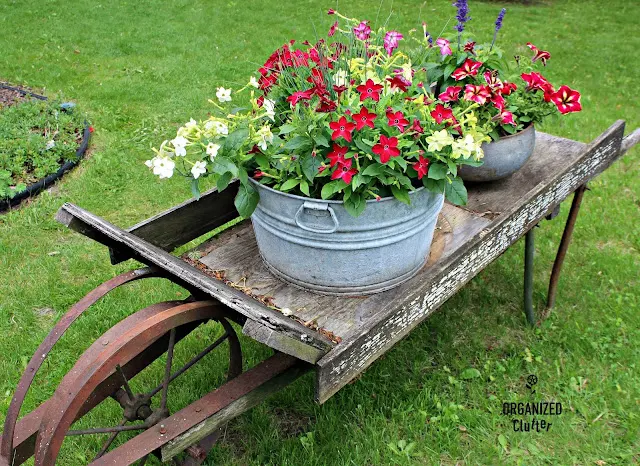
[338, 338]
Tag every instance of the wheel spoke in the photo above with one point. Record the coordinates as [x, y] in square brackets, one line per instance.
[188, 365]
[109, 441]
[106, 430]
[167, 369]
[125, 382]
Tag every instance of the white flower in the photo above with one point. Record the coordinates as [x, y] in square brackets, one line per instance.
[149, 163]
[212, 150]
[163, 167]
[439, 140]
[253, 82]
[223, 95]
[464, 147]
[406, 72]
[180, 144]
[286, 311]
[50, 145]
[340, 78]
[265, 136]
[220, 127]
[191, 124]
[199, 168]
[269, 106]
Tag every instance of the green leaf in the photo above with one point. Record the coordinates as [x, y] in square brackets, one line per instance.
[286, 129]
[438, 171]
[310, 166]
[359, 180]
[263, 161]
[222, 165]
[355, 205]
[195, 189]
[360, 144]
[304, 187]
[374, 169]
[321, 140]
[401, 194]
[297, 143]
[235, 140]
[331, 188]
[461, 57]
[289, 185]
[453, 169]
[246, 200]
[455, 192]
[470, 373]
[435, 186]
[450, 68]
[223, 181]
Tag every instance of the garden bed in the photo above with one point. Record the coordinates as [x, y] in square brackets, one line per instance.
[40, 140]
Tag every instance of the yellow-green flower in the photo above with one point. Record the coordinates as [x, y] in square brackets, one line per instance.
[439, 140]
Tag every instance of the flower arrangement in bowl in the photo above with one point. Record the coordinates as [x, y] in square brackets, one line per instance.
[343, 156]
[507, 97]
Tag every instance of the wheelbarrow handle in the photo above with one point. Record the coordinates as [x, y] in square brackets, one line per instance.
[630, 140]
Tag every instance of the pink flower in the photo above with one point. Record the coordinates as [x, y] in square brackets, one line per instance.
[506, 118]
[332, 29]
[492, 80]
[391, 40]
[478, 94]
[299, 95]
[498, 102]
[567, 100]
[538, 54]
[362, 31]
[397, 120]
[444, 46]
[342, 128]
[421, 166]
[386, 148]
[468, 68]
[451, 94]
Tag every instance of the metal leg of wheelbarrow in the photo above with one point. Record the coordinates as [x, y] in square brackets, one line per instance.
[564, 245]
[557, 265]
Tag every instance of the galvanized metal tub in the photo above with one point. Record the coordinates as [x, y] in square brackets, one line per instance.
[502, 158]
[318, 246]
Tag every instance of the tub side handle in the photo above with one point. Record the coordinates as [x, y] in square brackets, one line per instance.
[316, 206]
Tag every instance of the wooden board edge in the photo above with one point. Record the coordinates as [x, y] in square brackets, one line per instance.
[281, 342]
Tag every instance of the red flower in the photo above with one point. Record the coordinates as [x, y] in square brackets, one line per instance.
[398, 120]
[468, 68]
[386, 148]
[332, 29]
[399, 82]
[317, 79]
[300, 95]
[344, 172]
[478, 94]
[470, 47]
[421, 166]
[369, 89]
[91, 130]
[508, 88]
[441, 113]
[451, 94]
[364, 118]
[258, 174]
[326, 105]
[506, 118]
[342, 128]
[417, 127]
[336, 156]
[493, 81]
[538, 54]
[265, 82]
[498, 101]
[567, 100]
[535, 81]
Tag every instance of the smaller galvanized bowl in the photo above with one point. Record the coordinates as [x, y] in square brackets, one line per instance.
[502, 158]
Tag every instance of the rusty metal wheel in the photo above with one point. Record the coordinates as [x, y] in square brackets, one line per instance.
[107, 368]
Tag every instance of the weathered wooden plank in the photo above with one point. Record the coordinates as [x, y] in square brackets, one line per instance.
[99, 229]
[185, 222]
[233, 410]
[281, 342]
[367, 343]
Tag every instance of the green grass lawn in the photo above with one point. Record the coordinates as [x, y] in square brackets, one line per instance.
[141, 68]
